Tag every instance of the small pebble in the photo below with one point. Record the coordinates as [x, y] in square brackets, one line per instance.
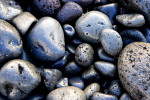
[125, 96]
[101, 96]
[111, 41]
[76, 82]
[51, 77]
[131, 20]
[90, 25]
[69, 30]
[84, 55]
[106, 68]
[23, 22]
[91, 89]
[62, 83]
[66, 93]
[71, 48]
[69, 12]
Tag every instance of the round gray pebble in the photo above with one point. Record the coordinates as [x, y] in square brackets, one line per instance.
[9, 9]
[84, 55]
[46, 40]
[133, 68]
[69, 12]
[18, 79]
[66, 93]
[131, 20]
[90, 25]
[106, 68]
[111, 41]
[101, 96]
[91, 89]
[23, 22]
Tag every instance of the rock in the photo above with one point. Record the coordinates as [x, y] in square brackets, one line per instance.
[9, 9]
[104, 56]
[76, 82]
[60, 64]
[66, 93]
[132, 35]
[90, 29]
[141, 6]
[131, 20]
[91, 89]
[69, 30]
[77, 41]
[69, 12]
[51, 77]
[111, 10]
[23, 22]
[62, 83]
[35, 97]
[101, 96]
[83, 3]
[18, 79]
[125, 96]
[84, 55]
[72, 69]
[47, 7]
[46, 40]
[10, 42]
[71, 48]
[101, 2]
[133, 69]
[106, 68]
[146, 33]
[115, 88]
[90, 75]
[111, 41]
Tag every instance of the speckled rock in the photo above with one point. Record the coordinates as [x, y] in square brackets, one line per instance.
[47, 7]
[106, 68]
[133, 68]
[18, 79]
[11, 45]
[101, 96]
[91, 89]
[84, 55]
[141, 6]
[23, 22]
[83, 3]
[9, 9]
[69, 12]
[111, 41]
[66, 93]
[46, 45]
[90, 25]
[131, 20]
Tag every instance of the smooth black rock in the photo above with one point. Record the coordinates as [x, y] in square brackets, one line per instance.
[146, 33]
[111, 10]
[71, 48]
[83, 3]
[104, 56]
[62, 83]
[132, 35]
[69, 30]
[77, 41]
[51, 77]
[115, 88]
[101, 2]
[10, 42]
[36, 97]
[77, 82]
[90, 75]
[72, 69]
[69, 12]
[47, 7]
[18, 79]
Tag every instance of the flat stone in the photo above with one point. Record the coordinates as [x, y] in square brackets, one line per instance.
[134, 68]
